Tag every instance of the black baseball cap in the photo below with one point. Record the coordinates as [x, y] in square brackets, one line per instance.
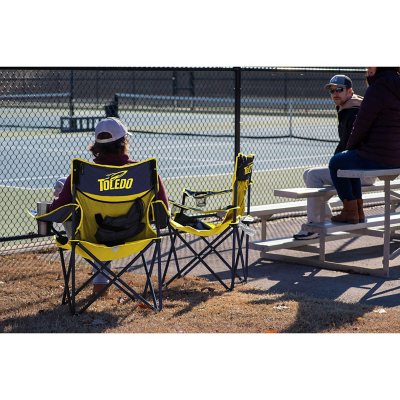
[341, 81]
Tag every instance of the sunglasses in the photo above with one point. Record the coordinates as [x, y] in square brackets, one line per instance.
[337, 90]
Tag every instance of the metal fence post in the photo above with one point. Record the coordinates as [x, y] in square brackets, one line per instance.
[238, 89]
[290, 118]
[71, 93]
[72, 122]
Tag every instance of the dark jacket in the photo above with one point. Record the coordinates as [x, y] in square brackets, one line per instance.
[65, 196]
[346, 116]
[376, 130]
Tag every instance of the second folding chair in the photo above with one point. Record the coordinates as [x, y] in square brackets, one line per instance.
[214, 228]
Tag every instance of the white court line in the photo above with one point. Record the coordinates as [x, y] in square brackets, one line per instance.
[254, 171]
[25, 188]
[294, 158]
[28, 179]
[256, 161]
[200, 160]
[180, 146]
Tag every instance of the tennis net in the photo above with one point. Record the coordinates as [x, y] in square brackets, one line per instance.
[261, 117]
[35, 99]
[36, 110]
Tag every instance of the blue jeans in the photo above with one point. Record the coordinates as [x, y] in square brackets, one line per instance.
[350, 188]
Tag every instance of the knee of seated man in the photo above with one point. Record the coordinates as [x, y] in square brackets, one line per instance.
[316, 177]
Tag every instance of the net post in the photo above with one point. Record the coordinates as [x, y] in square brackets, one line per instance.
[238, 89]
[116, 100]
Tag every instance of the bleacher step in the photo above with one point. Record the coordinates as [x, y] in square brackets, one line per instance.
[301, 205]
[290, 242]
[329, 227]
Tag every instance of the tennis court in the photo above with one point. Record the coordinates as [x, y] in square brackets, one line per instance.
[29, 169]
[40, 159]
[192, 141]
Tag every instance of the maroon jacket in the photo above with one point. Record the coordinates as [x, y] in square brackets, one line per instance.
[376, 130]
[65, 196]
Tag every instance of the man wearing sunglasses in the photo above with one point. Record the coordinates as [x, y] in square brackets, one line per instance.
[340, 88]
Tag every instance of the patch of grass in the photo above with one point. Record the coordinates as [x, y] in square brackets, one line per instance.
[31, 289]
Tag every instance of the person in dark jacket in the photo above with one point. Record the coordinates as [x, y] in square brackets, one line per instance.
[374, 142]
[110, 148]
[347, 104]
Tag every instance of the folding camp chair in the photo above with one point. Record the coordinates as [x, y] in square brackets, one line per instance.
[110, 212]
[214, 227]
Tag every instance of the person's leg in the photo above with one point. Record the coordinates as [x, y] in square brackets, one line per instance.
[349, 190]
[315, 177]
[99, 281]
[345, 187]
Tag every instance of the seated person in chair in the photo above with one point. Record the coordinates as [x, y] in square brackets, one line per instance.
[111, 147]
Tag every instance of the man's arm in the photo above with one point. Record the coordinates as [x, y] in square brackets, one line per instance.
[351, 115]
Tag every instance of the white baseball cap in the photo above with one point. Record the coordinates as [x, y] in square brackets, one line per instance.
[114, 127]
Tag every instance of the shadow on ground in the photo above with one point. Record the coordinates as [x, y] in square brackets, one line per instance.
[59, 320]
[290, 278]
[315, 316]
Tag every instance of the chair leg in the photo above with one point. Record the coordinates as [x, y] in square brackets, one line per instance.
[244, 258]
[199, 258]
[159, 277]
[71, 270]
[115, 279]
[149, 273]
[234, 262]
[66, 299]
[237, 256]
[172, 251]
[211, 248]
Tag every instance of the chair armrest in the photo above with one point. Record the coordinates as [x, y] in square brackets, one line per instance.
[195, 194]
[59, 215]
[201, 196]
[202, 211]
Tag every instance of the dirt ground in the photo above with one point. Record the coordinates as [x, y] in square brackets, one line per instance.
[30, 302]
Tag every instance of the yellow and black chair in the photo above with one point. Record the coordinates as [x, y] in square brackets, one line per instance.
[214, 227]
[111, 213]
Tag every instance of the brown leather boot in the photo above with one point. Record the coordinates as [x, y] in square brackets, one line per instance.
[361, 215]
[349, 213]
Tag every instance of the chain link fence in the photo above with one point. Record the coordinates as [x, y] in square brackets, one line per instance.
[193, 120]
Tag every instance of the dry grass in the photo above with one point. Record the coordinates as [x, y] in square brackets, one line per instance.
[31, 288]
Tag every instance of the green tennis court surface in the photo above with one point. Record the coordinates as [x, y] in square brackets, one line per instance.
[14, 218]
